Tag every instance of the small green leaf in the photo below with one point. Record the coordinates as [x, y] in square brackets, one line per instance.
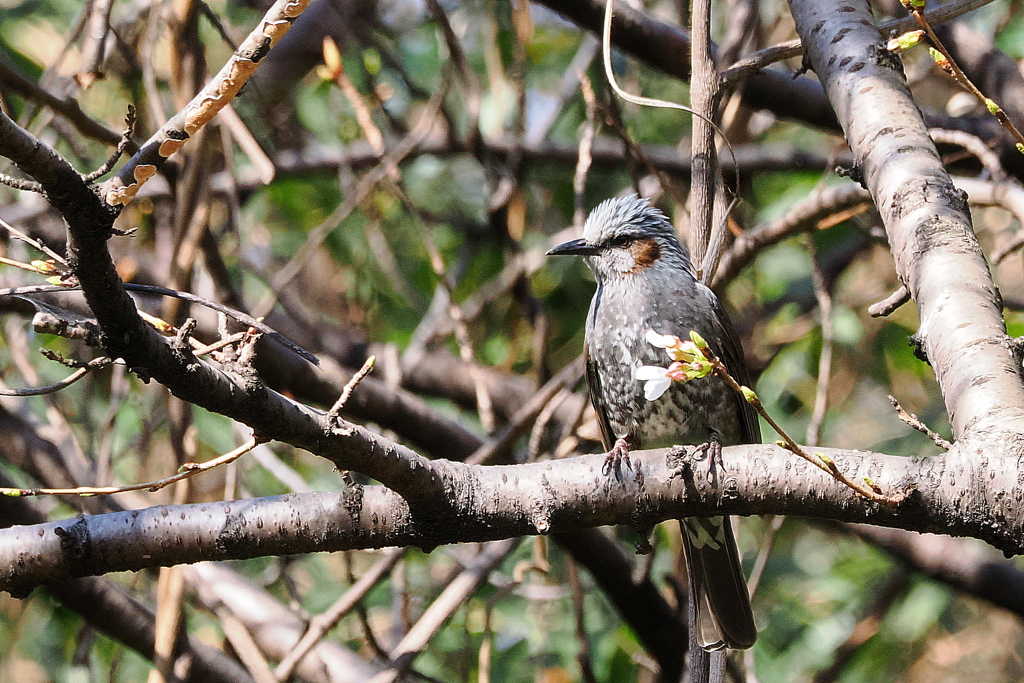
[992, 107]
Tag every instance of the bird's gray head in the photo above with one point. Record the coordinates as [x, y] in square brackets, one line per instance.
[627, 236]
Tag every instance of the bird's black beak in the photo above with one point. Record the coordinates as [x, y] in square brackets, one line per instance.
[574, 248]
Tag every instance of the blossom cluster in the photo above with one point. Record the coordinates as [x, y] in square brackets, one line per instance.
[688, 363]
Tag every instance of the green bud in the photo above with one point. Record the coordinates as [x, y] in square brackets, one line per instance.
[44, 267]
[992, 107]
[904, 42]
[825, 459]
[749, 394]
[1020, 148]
[781, 444]
[698, 340]
[13, 493]
[940, 59]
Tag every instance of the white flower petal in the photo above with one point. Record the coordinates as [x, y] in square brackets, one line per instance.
[662, 341]
[656, 387]
[649, 372]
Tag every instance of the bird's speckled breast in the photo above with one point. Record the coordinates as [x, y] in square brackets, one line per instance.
[620, 315]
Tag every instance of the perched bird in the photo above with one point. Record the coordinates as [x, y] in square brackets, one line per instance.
[645, 282]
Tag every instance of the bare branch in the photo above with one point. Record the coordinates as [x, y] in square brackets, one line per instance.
[219, 92]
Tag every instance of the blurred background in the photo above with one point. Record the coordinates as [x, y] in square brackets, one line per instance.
[387, 184]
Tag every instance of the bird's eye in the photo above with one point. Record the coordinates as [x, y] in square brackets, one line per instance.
[623, 242]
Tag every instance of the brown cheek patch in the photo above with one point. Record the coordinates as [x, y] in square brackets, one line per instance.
[645, 252]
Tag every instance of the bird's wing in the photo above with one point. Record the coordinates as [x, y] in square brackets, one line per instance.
[732, 355]
[594, 387]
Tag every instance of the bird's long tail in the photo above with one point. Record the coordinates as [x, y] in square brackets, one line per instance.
[717, 586]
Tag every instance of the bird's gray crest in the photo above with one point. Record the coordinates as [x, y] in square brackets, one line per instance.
[629, 216]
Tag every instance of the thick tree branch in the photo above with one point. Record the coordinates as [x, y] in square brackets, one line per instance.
[926, 217]
[109, 608]
[491, 503]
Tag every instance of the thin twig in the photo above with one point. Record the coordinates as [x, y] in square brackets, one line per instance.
[915, 422]
[350, 386]
[484, 656]
[869, 490]
[762, 554]
[803, 216]
[946, 62]
[219, 92]
[542, 422]
[792, 48]
[586, 146]
[130, 120]
[890, 303]
[335, 70]
[471, 93]
[78, 374]
[353, 197]
[66, 106]
[202, 350]
[95, 42]
[37, 267]
[484, 404]
[186, 471]
[585, 651]
[433, 618]
[170, 590]
[321, 624]
[245, 646]
[606, 42]
[21, 183]
[523, 417]
[974, 145]
[14, 232]
[824, 298]
[241, 317]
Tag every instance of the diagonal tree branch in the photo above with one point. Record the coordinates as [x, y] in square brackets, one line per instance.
[926, 217]
[215, 96]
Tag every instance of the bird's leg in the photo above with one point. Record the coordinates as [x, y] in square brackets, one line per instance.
[712, 450]
[617, 457]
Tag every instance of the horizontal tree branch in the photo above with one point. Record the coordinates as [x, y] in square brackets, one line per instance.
[491, 503]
